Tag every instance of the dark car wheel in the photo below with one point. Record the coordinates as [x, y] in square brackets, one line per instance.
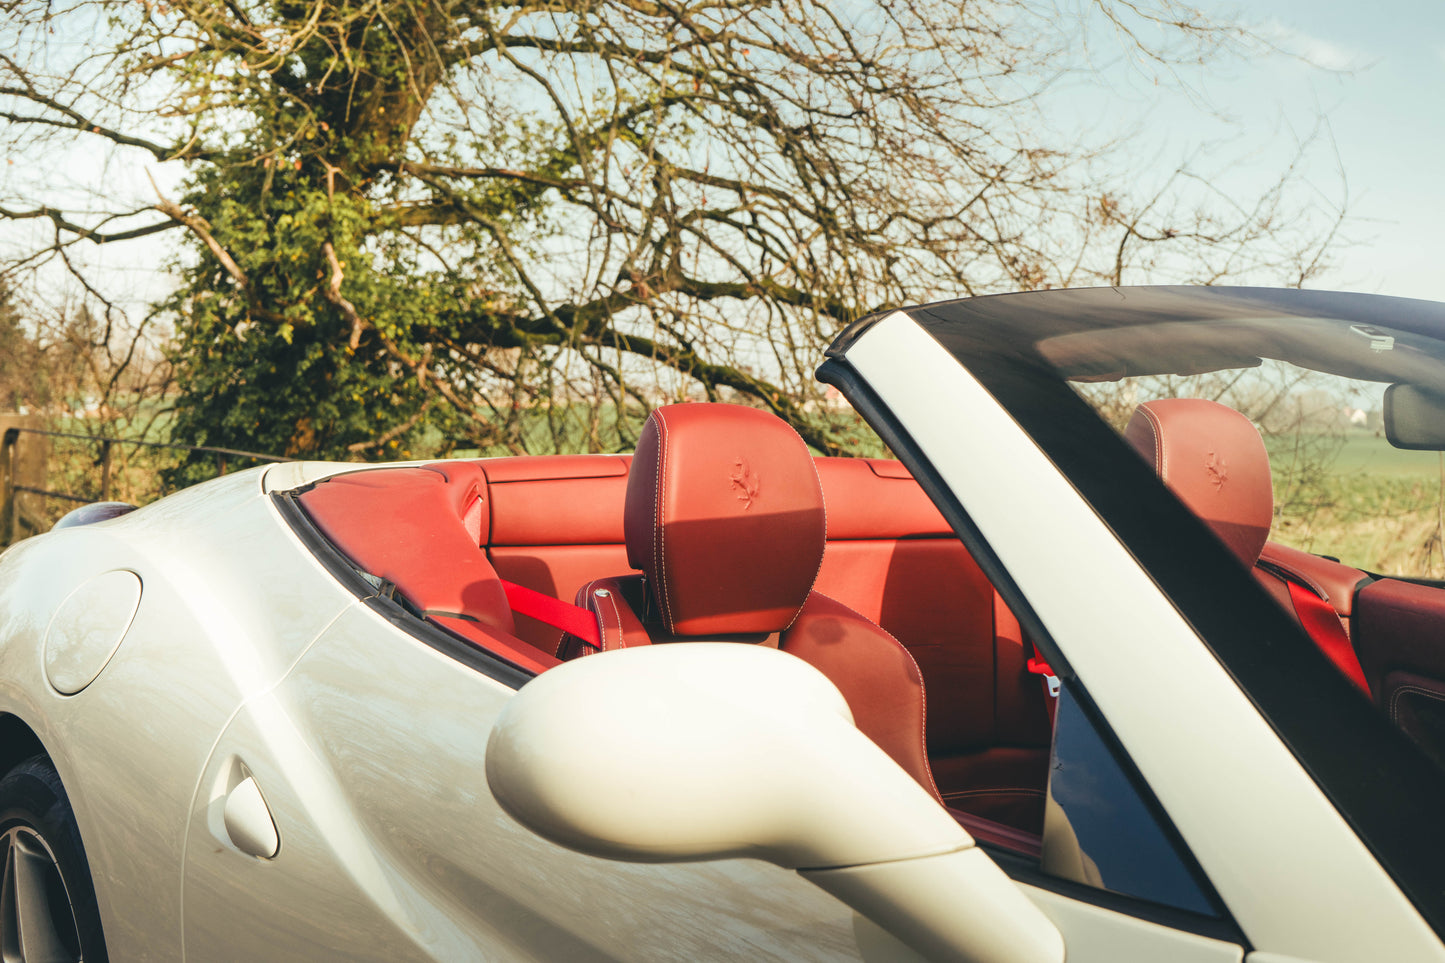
[47, 902]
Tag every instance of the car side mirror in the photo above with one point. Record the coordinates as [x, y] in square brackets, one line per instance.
[715, 750]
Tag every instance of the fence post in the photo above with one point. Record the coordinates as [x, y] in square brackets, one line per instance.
[10, 489]
[105, 470]
[7, 464]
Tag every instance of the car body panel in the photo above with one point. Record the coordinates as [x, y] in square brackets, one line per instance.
[371, 755]
[1099, 935]
[212, 627]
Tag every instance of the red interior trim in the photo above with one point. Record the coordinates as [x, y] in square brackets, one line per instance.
[1323, 625]
[519, 653]
[554, 612]
[997, 834]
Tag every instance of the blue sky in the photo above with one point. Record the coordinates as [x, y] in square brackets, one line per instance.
[1384, 109]
[1373, 75]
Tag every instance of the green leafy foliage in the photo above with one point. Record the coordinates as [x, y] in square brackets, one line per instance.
[284, 378]
[22, 377]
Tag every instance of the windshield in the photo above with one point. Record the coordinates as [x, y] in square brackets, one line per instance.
[1315, 389]
[1306, 430]
[1346, 391]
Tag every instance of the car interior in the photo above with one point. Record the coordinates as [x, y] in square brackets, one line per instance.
[723, 526]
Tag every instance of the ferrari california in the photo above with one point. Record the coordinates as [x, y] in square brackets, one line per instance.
[1134, 652]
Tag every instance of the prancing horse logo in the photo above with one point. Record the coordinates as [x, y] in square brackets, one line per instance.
[743, 480]
[1218, 470]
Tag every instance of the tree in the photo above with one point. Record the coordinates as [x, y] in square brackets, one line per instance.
[21, 382]
[60, 359]
[413, 223]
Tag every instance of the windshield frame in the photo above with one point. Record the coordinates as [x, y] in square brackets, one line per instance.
[1347, 746]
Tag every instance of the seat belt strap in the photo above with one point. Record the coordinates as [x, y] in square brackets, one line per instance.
[1039, 667]
[1323, 625]
[554, 612]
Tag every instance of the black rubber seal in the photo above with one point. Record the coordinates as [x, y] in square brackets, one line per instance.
[381, 601]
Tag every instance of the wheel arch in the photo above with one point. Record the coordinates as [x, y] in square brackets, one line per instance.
[18, 742]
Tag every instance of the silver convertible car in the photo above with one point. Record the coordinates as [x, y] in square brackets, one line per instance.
[1135, 653]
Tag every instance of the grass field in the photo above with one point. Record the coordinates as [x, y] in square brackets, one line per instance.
[1366, 451]
[1361, 500]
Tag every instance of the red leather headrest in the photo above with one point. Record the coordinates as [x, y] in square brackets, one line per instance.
[1213, 459]
[724, 516]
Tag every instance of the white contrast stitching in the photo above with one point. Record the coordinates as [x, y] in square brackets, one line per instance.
[1408, 689]
[621, 638]
[1001, 791]
[923, 716]
[1157, 428]
[814, 581]
[659, 550]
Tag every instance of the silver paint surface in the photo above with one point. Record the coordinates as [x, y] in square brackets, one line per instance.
[88, 629]
[246, 659]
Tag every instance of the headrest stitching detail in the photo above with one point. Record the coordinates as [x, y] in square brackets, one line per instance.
[621, 637]
[1157, 427]
[659, 554]
[818, 571]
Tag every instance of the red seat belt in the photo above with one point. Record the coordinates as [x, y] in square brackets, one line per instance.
[553, 612]
[1037, 666]
[1323, 626]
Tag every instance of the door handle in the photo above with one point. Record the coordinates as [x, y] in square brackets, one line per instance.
[248, 821]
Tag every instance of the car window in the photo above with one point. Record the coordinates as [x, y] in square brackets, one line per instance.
[1087, 817]
[1341, 489]
[1359, 507]
[1102, 826]
[1348, 544]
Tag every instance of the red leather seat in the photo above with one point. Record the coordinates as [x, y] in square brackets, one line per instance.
[725, 518]
[1215, 461]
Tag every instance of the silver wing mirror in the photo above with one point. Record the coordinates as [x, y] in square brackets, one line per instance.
[715, 750]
